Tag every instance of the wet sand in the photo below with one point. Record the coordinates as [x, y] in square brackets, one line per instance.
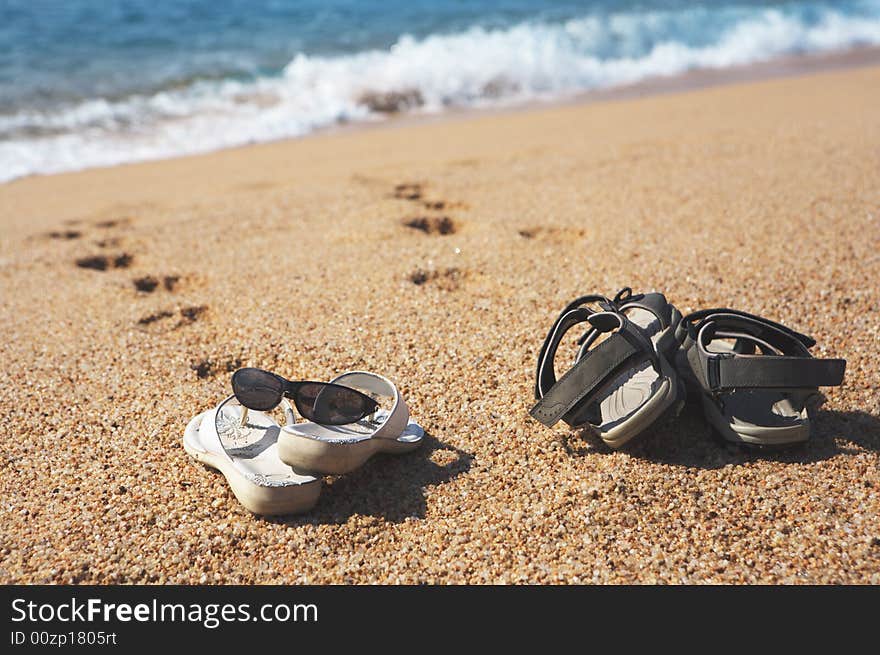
[129, 294]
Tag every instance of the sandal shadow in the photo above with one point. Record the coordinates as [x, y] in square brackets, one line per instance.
[689, 441]
[390, 487]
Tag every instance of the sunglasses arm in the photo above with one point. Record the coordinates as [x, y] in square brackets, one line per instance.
[290, 389]
[289, 414]
[286, 406]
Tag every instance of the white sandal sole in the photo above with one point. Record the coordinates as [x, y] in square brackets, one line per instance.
[268, 500]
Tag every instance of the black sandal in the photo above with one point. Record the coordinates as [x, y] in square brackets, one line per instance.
[754, 376]
[618, 386]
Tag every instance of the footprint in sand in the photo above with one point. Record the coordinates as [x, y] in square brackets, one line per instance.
[66, 235]
[149, 319]
[209, 367]
[149, 283]
[104, 262]
[414, 192]
[408, 191]
[114, 222]
[160, 321]
[552, 233]
[171, 319]
[112, 242]
[449, 279]
[432, 224]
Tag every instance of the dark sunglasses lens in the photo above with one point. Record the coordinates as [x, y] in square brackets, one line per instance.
[331, 404]
[257, 389]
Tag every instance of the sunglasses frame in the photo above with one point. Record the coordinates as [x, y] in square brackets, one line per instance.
[290, 390]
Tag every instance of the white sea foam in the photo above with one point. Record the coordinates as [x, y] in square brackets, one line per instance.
[476, 67]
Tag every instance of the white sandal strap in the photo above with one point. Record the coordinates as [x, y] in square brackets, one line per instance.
[378, 385]
[210, 437]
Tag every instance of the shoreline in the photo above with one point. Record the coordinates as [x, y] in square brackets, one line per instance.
[779, 68]
[791, 66]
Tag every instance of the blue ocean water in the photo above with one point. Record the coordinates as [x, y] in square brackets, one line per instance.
[91, 82]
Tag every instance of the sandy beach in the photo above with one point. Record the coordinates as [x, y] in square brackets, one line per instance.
[129, 294]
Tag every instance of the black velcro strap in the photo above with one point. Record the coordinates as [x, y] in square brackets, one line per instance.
[786, 362]
[575, 312]
[585, 377]
[691, 324]
[769, 372]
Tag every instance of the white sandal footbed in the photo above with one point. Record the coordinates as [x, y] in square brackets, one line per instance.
[339, 449]
[245, 452]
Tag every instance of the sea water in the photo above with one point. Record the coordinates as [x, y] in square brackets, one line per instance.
[93, 82]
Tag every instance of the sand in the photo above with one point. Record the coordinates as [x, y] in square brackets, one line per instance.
[294, 256]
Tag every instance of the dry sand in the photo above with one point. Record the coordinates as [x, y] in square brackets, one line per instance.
[293, 256]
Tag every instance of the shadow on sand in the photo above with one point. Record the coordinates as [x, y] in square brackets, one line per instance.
[387, 486]
[689, 441]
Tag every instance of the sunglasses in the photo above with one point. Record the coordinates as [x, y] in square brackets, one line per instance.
[320, 402]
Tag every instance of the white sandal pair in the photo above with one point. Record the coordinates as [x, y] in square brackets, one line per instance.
[276, 469]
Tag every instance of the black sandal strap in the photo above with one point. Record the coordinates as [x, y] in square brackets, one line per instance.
[578, 303]
[598, 366]
[790, 366]
[729, 372]
[690, 324]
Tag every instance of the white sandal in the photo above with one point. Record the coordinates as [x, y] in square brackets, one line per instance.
[337, 449]
[243, 445]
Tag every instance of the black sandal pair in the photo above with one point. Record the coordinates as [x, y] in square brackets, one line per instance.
[753, 376]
